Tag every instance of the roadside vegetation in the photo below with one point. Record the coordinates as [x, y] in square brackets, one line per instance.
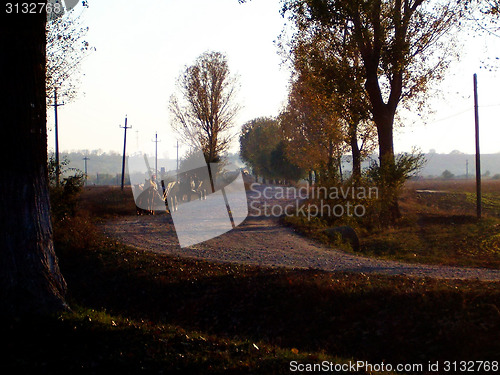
[438, 226]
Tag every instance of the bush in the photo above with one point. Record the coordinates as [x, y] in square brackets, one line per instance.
[447, 175]
[394, 175]
[390, 179]
[64, 197]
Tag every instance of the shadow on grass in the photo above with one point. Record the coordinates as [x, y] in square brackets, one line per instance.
[89, 342]
[370, 317]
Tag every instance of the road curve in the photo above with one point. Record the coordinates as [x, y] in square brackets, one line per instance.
[262, 241]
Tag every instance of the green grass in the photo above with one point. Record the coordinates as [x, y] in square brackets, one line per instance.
[139, 312]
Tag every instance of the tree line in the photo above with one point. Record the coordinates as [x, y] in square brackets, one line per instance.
[355, 64]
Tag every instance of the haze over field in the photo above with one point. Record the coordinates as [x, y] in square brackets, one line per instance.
[436, 164]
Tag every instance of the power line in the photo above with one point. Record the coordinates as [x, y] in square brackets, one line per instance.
[462, 112]
[478, 154]
[484, 28]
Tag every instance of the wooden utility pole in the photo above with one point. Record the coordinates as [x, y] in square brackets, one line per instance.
[56, 130]
[156, 155]
[124, 149]
[478, 154]
[85, 161]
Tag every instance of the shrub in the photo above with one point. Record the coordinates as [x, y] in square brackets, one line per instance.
[447, 175]
[390, 179]
[64, 197]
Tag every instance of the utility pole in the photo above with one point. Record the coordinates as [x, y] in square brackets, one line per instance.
[467, 169]
[56, 130]
[85, 161]
[156, 155]
[177, 168]
[124, 148]
[478, 154]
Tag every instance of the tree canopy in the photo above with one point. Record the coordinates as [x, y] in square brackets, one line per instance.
[325, 69]
[66, 48]
[263, 148]
[206, 109]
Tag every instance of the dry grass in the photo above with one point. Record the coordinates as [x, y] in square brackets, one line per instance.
[207, 316]
[106, 201]
[450, 198]
[438, 227]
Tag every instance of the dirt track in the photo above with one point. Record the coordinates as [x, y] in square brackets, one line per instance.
[263, 241]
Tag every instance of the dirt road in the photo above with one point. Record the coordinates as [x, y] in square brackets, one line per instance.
[263, 241]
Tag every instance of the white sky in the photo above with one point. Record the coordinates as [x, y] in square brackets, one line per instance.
[142, 47]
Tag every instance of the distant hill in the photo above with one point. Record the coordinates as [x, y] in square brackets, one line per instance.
[111, 163]
[455, 162]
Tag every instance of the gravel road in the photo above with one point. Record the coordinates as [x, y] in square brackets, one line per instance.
[261, 240]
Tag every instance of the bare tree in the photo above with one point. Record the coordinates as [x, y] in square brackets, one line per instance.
[205, 112]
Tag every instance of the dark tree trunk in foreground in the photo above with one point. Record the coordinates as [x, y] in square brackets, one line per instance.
[30, 280]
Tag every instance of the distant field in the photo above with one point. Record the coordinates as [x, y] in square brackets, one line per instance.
[487, 186]
[454, 196]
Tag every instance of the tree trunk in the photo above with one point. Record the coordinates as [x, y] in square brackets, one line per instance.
[30, 280]
[385, 140]
[390, 212]
[356, 154]
[341, 173]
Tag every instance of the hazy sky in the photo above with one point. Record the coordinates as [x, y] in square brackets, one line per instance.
[142, 47]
